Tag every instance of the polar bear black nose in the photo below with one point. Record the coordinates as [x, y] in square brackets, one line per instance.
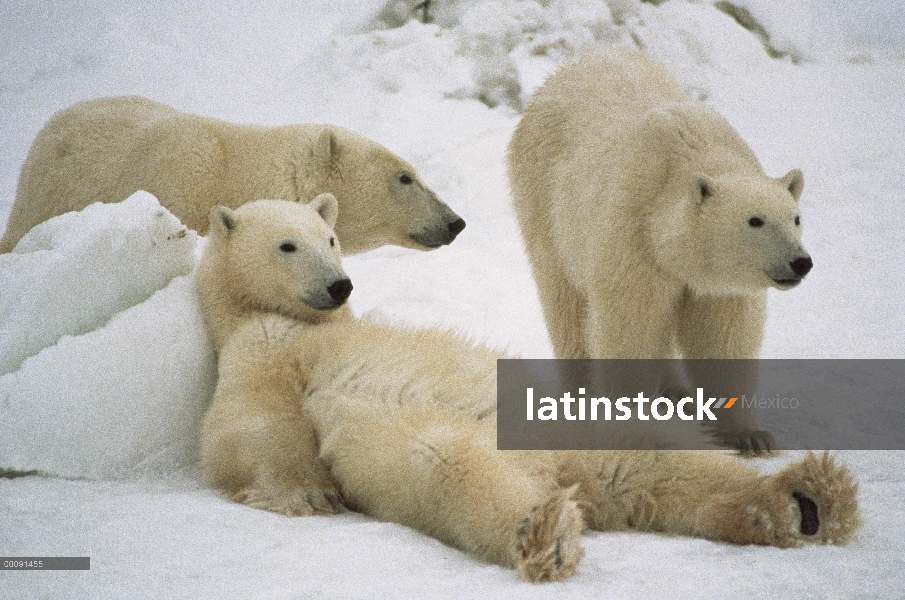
[801, 266]
[340, 290]
[455, 228]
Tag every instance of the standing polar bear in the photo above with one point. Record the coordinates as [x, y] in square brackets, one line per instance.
[106, 149]
[651, 227]
[314, 408]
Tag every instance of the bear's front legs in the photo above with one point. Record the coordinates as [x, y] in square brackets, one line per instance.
[257, 444]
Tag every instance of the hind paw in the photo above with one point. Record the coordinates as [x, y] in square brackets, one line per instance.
[548, 540]
[820, 498]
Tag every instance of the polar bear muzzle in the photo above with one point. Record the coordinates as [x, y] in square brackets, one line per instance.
[440, 235]
[330, 297]
[789, 275]
[339, 290]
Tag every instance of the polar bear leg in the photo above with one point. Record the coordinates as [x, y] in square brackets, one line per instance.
[564, 312]
[631, 321]
[709, 494]
[258, 446]
[441, 474]
[712, 327]
[627, 323]
[563, 304]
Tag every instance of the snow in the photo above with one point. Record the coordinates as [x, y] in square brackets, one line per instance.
[96, 263]
[109, 277]
[106, 368]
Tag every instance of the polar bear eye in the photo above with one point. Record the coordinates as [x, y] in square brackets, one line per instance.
[797, 221]
[756, 222]
[332, 242]
[405, 179]
[288, 247]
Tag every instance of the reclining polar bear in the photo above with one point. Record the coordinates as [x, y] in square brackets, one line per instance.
[314, 408]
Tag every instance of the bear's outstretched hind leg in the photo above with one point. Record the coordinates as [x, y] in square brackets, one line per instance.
[548, 539]
[441, 474]
[712, 495]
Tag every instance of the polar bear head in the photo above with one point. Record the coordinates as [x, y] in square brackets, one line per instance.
[384, 200]
[753, 226]
[717, 222]
[739, 233]
[280, 257]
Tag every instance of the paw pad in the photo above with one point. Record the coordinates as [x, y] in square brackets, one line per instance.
[810, 522]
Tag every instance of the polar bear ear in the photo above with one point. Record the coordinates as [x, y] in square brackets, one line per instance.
[703, 189]
[326, 206]
[221, 221]
[794, 182]
[325, 149]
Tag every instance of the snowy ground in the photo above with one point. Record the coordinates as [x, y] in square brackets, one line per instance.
[105, 369]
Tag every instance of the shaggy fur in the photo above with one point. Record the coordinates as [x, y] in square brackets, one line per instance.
[104, 150]
[651, 228]
[402, 424]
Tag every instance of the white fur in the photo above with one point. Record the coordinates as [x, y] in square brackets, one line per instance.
[402, 423]
[104, 150]
[634, 203]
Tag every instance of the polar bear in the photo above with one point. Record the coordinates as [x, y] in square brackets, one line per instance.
[103, 150]
[401, 424]
[651, 228]
[266, 264]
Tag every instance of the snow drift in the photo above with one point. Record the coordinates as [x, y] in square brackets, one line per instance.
[106, 364]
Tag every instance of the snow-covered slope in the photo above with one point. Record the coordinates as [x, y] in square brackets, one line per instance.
[106, 369]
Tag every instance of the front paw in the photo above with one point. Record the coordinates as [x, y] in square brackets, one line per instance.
[292, 501]
[547, 546]
[749, 443]
[754, 443]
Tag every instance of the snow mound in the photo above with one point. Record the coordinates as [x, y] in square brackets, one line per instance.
[499, 53]
[108, 366]
[71, 274]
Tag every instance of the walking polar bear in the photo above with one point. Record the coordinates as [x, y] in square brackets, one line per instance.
[314, 409]
[650, 225]
[106, 149]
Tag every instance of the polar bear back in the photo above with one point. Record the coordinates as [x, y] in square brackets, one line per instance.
[598, 144]
[106, 149]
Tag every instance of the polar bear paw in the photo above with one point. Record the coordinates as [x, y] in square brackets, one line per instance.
[748, 443]
[819, 499]
[301, 501]
[753, 443]
[812, 501]
[547, 547]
